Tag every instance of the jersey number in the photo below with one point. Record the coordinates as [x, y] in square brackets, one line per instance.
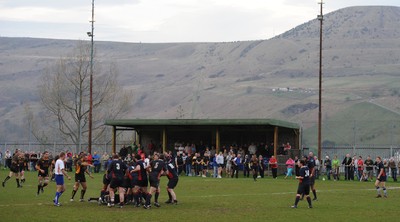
[117, 166]
[307, 173]
[172, 166]
[156, 166]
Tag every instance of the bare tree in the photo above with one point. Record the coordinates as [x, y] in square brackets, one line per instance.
[64, 93]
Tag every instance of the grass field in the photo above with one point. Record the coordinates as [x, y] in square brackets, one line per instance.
[208, 199]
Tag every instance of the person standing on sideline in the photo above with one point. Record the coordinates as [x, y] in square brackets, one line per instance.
[380, 178]
[304, 186]
[360, 168]
[369, 166]
[236, 163]
[393, 169]
[60, 172]
[289, 167]
[336, 167]
[261, 166]
[347, 166]
[328, 167]
[80, 170]
[220, 163]
[96, 162]
[273, 164]
[42, 166]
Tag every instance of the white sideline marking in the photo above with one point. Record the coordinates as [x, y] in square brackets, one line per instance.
[286, 193]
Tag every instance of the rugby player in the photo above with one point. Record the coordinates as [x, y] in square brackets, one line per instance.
[14, 169]
[139, 181]
[304, 184]
[172, 182]
[380, 178]
[80, 170]
[156, 169]
[59, 171]
[117, 169]
[42, 166]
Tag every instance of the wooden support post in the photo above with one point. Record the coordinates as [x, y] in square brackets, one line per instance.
[164, 139]
[275, 140]
[114, 140]
[217, 141]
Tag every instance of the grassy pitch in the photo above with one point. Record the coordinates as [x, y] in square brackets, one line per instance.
[207, 199]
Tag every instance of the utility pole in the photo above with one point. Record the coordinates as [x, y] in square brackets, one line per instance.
[321, 19]
[91, 35]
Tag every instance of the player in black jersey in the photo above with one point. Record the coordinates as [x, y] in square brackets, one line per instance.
[14, 169]
[80, 169]
[139, 179]
[156, 169]
[311, 167]
[173, 178]
[117, 170]
[304, 184]
[380, 178]
[254, 166]
[43, 166]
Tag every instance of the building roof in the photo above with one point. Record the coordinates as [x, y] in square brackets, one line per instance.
[200, 122]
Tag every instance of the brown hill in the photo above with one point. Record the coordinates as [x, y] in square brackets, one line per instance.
[275, 78]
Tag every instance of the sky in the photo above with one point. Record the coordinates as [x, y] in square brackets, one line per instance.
[153, 21]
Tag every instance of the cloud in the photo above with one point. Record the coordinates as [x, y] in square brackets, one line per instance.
[164, 20]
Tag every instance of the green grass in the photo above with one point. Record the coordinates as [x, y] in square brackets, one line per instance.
[208, 199]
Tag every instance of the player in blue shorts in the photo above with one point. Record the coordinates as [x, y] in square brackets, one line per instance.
[59, 171]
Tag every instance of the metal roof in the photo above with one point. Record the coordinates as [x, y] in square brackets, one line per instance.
[200, 122]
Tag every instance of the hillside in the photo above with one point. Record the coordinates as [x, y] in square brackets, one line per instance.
[275, 78]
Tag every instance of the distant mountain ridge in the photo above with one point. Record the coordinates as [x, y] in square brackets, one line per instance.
[361, 61]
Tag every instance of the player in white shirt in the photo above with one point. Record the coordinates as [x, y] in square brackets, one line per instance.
[59, 171]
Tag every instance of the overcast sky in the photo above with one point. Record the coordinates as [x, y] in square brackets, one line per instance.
[163, 20]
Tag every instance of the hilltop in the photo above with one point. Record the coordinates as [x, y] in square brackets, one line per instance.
[274, 78]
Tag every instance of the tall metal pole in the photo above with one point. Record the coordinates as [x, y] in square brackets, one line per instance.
[321, 19]
[91, 82]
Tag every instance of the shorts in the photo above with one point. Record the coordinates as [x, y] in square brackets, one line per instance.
[116, 182]
[142, 183]
[221, 165]
[21, 168]
[106, 181]
[382, 179]
[79, 178]
[172, 183]
[45, 174]
[154, 182]
[303, 189]
[59, 179]
[126, 182]
[14, 169]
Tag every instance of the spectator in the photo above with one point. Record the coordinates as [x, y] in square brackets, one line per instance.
[228, 166]
[96, 162]
[89, 160]
[347, 166]
[317, 167]
[296, 165]
[252, 149]
[236, 164]
[273, 164]
[336, 167]
[360, 167]
[246, 165]
[220, 162]
[261, 166]
[188, 165]
[369, 166]
[393, 169]
[8, 157]
[289, 168]
[328, 167]
[104, 160]
[286, 148]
